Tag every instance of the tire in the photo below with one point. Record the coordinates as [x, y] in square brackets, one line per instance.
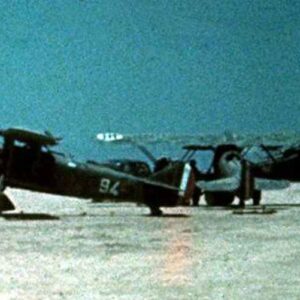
[218, 198]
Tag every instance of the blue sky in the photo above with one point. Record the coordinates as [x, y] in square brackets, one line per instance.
[80, 67]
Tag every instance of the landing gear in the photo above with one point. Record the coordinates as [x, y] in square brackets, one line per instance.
[218, 198]
[155, 211]
[242, 203]
[196, 196]
[256, 197]
[5, 203]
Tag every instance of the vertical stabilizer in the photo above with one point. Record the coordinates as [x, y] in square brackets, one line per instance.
[179, 175]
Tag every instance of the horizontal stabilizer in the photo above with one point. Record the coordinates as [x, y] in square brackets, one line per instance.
[267, 184]
[151, 181]
[229, 184]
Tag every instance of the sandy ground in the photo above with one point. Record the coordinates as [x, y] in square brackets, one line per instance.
[116, 251]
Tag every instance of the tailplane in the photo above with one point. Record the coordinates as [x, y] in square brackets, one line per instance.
[170, 187]
[180, 176]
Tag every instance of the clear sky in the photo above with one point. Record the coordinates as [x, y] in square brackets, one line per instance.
[175, 66]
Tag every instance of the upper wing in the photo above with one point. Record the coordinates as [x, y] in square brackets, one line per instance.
[149, 138]
[200, 141]
[30, 136]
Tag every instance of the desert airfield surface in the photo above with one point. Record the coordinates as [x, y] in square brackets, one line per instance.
[116, 251]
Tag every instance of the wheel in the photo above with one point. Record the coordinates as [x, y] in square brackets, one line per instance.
[218, 198]
[256, 197]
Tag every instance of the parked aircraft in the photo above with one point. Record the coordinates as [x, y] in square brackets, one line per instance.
[230, 175]
[266, 162]
[233, 172]
[27, 162]
[276, 162]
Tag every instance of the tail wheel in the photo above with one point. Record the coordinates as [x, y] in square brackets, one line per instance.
[218, 198]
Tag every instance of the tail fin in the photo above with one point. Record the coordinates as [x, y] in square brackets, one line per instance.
[179, 175]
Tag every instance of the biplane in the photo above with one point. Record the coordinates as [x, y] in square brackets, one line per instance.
[232, 175]
[27, 161]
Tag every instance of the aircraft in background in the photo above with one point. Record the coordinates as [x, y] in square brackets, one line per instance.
[276, 162]
[233, 172]
[231, 175]
[246, 167]
[28, 162]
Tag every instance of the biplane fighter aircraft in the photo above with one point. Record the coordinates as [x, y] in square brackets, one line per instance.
[280, 161]
[27, 162]
[231, 175]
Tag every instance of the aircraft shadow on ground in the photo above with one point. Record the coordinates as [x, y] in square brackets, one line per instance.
[168, 216]
[29, 217]
[283, 205]
[279, 206]
[41, 216]
[116, 214]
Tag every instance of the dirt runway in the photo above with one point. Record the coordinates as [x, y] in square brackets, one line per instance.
[116, 251]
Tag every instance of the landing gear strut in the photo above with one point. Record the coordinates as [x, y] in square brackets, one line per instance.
[196, 196]
[242, 202]
[256, 197]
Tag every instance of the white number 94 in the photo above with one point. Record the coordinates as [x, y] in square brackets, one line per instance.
[108, 187]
